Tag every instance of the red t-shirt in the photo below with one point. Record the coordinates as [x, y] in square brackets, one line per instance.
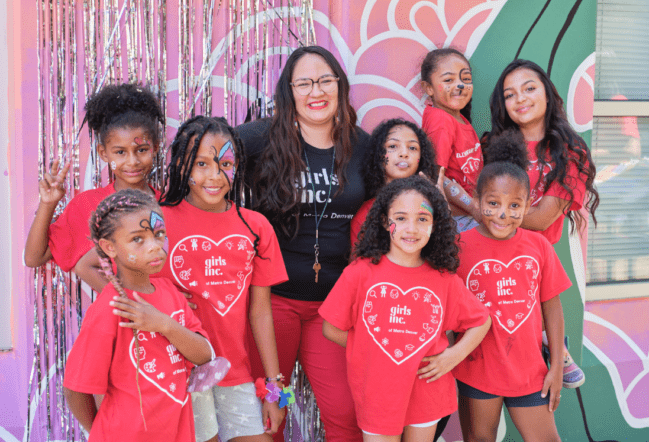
[68, 236]
[395, 316]
[457, 146]
[357, 222]
[103, 361]
[511, 278]
[578, 186]
[212, 257]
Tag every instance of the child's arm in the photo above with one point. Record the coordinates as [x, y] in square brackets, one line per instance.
[458, 198]
[553, 318]
[88, 269]
[82, 406]
[543, 215]
[145, 317]
[334, 334]
[51, 190]
[439, 365]
[263, 330]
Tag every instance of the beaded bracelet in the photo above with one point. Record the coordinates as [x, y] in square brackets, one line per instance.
[272, 393]
[278, 378]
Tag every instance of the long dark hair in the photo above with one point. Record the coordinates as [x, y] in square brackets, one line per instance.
[280, 164]
[441, 252]
[561, 144]
[429, 66]
[375, 170]
[183, 155]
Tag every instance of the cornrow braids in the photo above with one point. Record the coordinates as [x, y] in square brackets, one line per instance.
[124, 105]
[103, 224]
[183, 155]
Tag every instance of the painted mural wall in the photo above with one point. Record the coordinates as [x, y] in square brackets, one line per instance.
[217, 60]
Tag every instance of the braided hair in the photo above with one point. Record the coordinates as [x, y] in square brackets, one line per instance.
[441, 251]
[375, 171]
[103, 224]
[184, 148]
[124, 105]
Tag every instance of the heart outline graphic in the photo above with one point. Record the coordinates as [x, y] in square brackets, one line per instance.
[404, 294]
[506, 266]
[142, 373]
[217, 244]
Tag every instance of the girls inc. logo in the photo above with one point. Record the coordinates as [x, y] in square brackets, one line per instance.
[503, 284]
[308, 180]
[398, 310]
[212, 266]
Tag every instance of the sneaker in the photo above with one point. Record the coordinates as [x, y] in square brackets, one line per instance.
[573, 376]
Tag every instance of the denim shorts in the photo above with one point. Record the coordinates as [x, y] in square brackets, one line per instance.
[530, 400]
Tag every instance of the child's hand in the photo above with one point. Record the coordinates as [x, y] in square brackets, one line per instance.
[51, 188]
[273, 414]
[191, 304]
[552, 383]
[438, 365]
[143, 316]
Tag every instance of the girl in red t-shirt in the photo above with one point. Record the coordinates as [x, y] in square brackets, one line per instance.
[446, 78]
[125, 119]
[399, 149]
[517, 275]
[391, 308]
[225, 258]
[139, 335]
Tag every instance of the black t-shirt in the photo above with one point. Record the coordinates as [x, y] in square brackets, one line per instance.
[298, 253]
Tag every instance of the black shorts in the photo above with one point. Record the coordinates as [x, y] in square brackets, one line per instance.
[530, 400]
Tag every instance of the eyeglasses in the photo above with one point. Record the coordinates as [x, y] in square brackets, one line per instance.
[327, 84]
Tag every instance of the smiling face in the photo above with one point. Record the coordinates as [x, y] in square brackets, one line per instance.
[129, 154]
[503, 203]
[402, 153]
[525, 100]
[212, 173]
[318, 107]
[450, 86]
[410, 223]
[139, 245]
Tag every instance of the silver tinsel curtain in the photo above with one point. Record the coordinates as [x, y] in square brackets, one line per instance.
[200, 57]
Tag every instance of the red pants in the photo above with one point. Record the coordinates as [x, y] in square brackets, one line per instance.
[298, 331]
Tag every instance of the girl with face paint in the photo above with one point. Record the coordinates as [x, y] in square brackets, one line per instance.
[447, 80]
[225, 258]
[517, 275]
[403, 277]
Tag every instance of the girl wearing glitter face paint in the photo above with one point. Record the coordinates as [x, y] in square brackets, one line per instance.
[125, 120]
[403, 277]
[447, 80]
[225, 258]
[138, 336]
[517, 275]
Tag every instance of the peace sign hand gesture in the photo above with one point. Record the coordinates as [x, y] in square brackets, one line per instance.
[51, 188]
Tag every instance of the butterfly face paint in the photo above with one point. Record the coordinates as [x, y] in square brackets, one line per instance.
[156, 225]
[392, 226]
[226, 155]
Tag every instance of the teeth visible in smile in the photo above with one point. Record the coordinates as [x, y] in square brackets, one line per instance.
[319, 104]
[402, 164]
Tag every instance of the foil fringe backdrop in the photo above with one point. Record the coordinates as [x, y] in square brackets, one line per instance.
[238, 46]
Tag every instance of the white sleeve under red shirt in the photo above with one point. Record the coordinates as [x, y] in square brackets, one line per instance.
[212, 257]
[357, 222]
[457, 146]
[511, 278]
[69, 235]
[573, 181]
[395, 316]
[103, 361]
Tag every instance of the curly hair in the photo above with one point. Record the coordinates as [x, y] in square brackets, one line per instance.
[183, 155]
[104, 221]
[560, 145]
[281, 162]
[507, 155]
[375, 171]
[430, 64]
[441, 252]
[124, 105]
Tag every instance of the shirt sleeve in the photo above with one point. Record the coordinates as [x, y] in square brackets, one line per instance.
[574, 181]
[269, 268]
[340, 307]
[463, 310]
[440, 136]
[67, 236]
[89, 362]
[554, 279]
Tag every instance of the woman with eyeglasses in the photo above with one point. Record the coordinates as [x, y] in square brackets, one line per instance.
[304, 167]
